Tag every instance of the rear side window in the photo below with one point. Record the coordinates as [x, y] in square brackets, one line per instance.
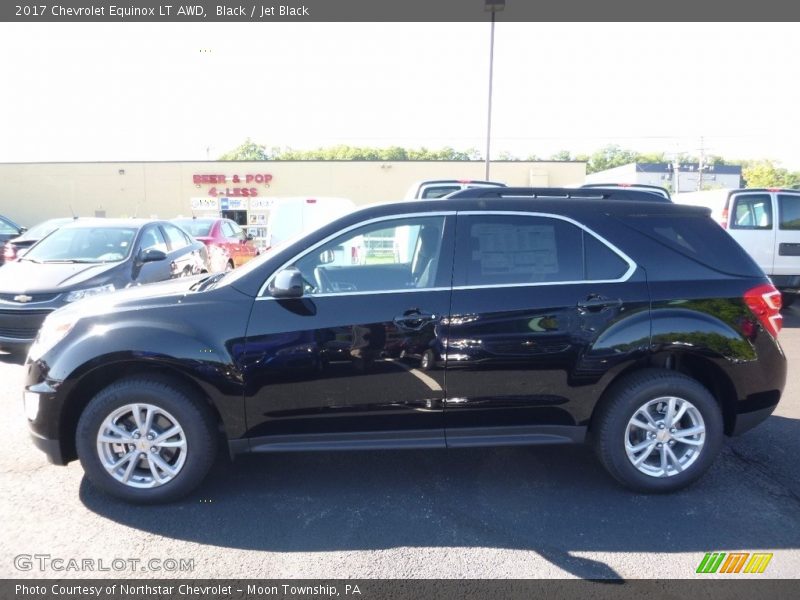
[699, 238]
[516, 249]
[601, 262]
[789, 211]
[752, 211]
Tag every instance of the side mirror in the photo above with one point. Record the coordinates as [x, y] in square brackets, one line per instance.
[326, 257]
[249, 237]
[152, 255]
[287, 283]
[22, 230]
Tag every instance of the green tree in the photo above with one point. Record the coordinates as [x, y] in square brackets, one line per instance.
[249, 150]
[562, 155]
[609, 157]
[766, 173]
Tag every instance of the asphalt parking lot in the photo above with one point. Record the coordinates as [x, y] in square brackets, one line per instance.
[497, 513]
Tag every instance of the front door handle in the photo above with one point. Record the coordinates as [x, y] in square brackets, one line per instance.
[595, 303]
[414, 320]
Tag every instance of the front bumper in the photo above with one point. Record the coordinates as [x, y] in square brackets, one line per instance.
[746, 421]
[44, 411]
[51, 449]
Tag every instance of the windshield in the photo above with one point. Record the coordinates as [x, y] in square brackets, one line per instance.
[196, 227]
[39, 231]
[97, 244]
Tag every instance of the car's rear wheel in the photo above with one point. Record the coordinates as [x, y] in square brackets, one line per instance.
[146, 440]
[658, 431]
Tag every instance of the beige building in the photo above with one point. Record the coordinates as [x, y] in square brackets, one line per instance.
[33, 192]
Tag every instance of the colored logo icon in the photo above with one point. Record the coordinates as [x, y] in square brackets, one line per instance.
[734, 562]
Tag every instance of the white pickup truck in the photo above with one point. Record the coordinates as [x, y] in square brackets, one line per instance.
[766, 223]
[439, 188]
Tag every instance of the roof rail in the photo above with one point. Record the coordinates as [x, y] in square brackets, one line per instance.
[554, 193]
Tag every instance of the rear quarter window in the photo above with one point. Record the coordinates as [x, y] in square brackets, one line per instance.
[699, 238]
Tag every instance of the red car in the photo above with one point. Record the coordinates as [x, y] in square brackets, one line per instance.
[228, 245]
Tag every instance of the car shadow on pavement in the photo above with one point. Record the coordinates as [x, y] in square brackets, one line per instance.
[556, 501]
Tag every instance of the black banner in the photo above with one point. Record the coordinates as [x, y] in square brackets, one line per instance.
[397, 10]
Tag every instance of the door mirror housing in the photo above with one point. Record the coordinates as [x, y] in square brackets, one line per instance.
[287, 283]
[152, 255]
[326, 257]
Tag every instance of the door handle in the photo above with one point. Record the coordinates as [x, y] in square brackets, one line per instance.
[596, 303]
[414, 320]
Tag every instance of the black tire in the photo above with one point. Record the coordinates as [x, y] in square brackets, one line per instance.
[193, 415]
[609, 427]
[428, 360]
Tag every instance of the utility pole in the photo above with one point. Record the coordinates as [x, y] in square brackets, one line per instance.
[492, 6]
[701, 166]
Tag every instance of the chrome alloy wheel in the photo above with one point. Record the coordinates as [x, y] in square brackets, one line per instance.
[141, 445]
[665, 436]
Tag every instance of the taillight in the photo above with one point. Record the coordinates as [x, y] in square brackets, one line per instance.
[724, 218]
[764, 301]
[9, 252]
[354, 255]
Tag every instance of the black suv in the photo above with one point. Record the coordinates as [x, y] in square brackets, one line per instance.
[638, 326]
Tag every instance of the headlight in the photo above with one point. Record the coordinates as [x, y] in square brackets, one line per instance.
[95, 291]
[55, 327]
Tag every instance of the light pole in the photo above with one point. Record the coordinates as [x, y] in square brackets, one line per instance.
[492, 6]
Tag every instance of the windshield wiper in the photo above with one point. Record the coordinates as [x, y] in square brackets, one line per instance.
[72, 261]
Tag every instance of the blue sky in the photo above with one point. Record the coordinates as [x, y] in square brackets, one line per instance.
[131, 91]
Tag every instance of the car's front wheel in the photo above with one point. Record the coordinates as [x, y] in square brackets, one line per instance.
[658, 431]
[146, 440]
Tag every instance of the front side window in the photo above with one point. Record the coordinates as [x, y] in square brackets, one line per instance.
[789, 209]
[152, 238]
[396, 254]
[752, 211]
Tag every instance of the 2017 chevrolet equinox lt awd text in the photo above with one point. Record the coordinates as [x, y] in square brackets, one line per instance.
[553, 316]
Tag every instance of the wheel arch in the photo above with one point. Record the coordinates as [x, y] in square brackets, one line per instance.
[703, 370]
[79, 396]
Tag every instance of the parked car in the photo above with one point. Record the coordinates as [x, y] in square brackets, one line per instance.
[642, 328]
[439, 188]
[766, 222]
[653, 189]
[227, 243]
[87, 258]
[8, 230]
[16, 247]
